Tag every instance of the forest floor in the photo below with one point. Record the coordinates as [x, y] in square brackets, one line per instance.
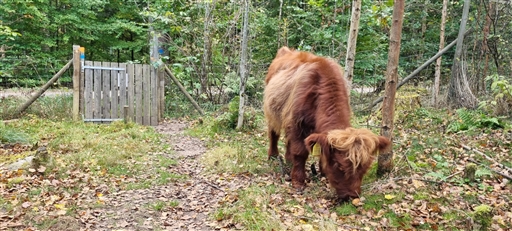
[183, 204]
[222, 181]
[179, 205]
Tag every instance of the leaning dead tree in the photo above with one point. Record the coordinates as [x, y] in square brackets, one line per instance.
[459, 92]
[183, 90]
[420, 68]
[45, 87]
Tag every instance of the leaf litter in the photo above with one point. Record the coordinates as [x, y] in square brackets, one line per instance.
[410, 198]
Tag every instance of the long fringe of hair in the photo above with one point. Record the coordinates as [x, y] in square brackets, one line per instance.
[360, 144]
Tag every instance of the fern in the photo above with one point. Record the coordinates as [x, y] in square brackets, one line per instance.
[468, 117]
[469, 120]
[483, 172]
[436, 175]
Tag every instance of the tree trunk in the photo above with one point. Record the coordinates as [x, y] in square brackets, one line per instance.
[459, 92]
[385, 160]
[352, 41]
[243, 65]
[435, 88]
[206, 62]
[485, 45]
[279, 21]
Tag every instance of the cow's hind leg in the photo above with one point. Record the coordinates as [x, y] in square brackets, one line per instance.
[273, 152]
[272, 149]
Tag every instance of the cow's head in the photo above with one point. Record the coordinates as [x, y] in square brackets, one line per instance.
[346, 155]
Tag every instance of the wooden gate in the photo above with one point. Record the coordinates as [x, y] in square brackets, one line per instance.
[116, 91]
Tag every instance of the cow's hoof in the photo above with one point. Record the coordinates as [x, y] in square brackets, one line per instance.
[298, 187]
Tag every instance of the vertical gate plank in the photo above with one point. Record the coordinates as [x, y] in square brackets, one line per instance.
[97, 91]
[88, 91]
[106, 92]
[131, 90]
[146, 91]
[122, 89]
[114, 91]
[161, 95]
[138, 93]
[154, 96]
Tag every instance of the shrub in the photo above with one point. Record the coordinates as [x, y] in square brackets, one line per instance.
[229, 117]
[501, 101]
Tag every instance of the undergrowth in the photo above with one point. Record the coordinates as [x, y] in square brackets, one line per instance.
[427, 166]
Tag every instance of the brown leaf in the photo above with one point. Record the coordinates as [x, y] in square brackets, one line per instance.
[41, 169]
[26, 204]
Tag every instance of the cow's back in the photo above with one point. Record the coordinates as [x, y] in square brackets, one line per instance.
[296, 83]
[280, 96]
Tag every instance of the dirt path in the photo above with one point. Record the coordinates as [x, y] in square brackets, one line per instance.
[27, 92]
[183, 204]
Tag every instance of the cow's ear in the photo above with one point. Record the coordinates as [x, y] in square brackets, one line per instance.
[283, 51]
[383, 143]
[317, 140]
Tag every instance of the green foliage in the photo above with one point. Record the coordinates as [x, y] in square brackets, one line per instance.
[501, 100]
[6, 33]
[469, 119]
[110, 31]
[251, 209]
[228, 118]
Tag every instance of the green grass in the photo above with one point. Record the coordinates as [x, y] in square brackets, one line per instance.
[345, 209]
[374, 201]
[251, 209]
[93, 147]
[166, 162]
[160, 205]
[399, 221]
[55, 107]
[93, 154]
[10, 135]
[145, 184]
[165, 177]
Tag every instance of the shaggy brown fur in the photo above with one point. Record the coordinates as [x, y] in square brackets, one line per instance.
[306, 96]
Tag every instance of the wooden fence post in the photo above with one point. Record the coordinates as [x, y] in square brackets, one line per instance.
[76, 82]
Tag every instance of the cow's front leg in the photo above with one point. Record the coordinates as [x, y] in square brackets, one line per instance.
[298, 173]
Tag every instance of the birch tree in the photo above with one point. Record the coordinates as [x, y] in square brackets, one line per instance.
[352, 41]
[207, 55]
[385, 160]
[243, 65]
[437, 76]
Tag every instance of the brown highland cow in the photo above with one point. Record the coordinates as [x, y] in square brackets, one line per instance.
[307, 97]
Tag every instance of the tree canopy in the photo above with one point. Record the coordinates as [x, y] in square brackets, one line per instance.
[203, 50]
